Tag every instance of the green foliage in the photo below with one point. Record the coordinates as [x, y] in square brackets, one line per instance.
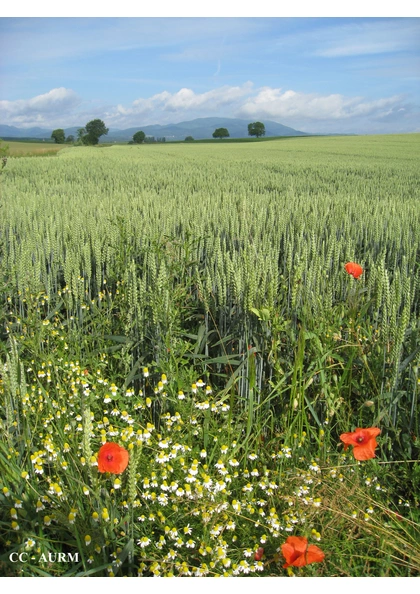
[139, 137]
[221, 133]
[94, 130]
[58, 136]
[81, 134]
[4, 149]
[189, 139]
[70, 138]
[256, 129]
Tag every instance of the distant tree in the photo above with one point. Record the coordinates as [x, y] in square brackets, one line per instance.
[59, 136]
[221, 133]
[256, 129]
[70, 138]
[81, 132]
[189, 139]
[139, 137]
[94, 130]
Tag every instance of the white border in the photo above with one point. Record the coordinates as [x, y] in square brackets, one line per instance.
[216, 8]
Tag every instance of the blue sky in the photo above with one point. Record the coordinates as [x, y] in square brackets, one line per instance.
[332, 75]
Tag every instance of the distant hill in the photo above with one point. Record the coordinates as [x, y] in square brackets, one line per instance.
[203, 128]
[199, 129]
[13, 132]
[39, 133]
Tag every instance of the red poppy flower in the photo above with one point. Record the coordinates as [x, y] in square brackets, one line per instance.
[258, 555]
[297, 552]
[112, 458]
[363, 442]
[354, 269]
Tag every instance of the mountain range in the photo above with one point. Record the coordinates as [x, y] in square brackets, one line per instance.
[199, 129]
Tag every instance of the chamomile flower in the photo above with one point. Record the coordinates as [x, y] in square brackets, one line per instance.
[39, 506]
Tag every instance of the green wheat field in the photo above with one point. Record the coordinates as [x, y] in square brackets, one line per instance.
[189, 303]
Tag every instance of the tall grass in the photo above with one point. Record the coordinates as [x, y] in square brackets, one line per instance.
[199, 236]
[224, 263]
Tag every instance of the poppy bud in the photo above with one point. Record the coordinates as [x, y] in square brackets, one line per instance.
[258, 555]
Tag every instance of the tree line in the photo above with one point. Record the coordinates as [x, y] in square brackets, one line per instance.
[90, 134]
[254, 129]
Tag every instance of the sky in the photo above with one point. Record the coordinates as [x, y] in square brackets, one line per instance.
[317, 74]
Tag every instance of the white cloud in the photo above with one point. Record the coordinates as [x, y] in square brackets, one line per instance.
[185, 104]
[187, 99]
[291, 106]
[40, 109]
[309, 112]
